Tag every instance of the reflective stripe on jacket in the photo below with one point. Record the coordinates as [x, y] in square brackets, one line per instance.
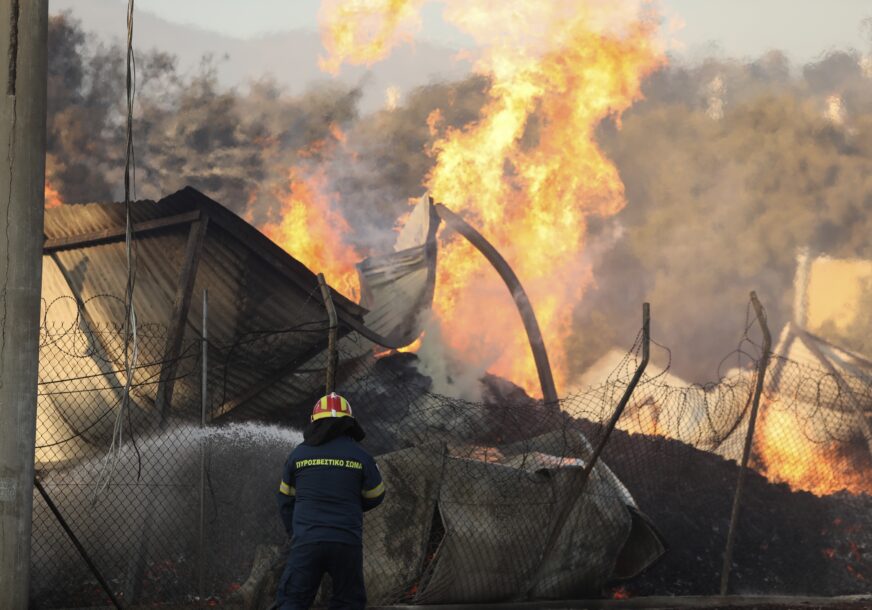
[325, 490]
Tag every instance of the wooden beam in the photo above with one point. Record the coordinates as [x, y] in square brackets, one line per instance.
[179, 316]
[117, 233]
[766, 352]
[331, 333]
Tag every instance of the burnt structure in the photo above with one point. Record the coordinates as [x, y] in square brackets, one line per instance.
[267, 354]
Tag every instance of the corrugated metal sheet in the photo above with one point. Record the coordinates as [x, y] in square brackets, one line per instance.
[396, 287]
[256, 291]
[266, 317]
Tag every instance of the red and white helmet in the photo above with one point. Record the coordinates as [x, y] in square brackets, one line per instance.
[332, 405]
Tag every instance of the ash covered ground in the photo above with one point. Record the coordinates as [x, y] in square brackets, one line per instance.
[788, 542]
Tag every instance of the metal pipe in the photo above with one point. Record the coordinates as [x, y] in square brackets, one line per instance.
[749, 440]
[332, 329]
[522, 301]
[76, 543]
[204, 396]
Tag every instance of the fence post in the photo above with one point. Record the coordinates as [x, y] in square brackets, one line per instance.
[331, 344]
[204, 440]
[749, 440]
[566, 510]
[646, 350]
[76, 543]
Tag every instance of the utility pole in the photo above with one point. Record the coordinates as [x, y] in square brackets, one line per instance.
[23, 35]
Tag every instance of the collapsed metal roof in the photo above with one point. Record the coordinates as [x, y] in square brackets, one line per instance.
[267, 340]
[265, 308]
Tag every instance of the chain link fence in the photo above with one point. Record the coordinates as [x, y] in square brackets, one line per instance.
[487, 500]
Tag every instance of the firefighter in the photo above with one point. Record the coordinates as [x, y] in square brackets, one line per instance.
[329, 481]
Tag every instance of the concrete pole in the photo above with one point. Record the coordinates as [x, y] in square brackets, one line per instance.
[23, 34]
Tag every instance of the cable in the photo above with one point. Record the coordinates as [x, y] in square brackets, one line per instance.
[131, 346]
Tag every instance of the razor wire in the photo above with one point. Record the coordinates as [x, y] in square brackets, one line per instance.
[472, 484]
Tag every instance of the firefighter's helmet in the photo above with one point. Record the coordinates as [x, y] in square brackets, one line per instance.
[332, 405]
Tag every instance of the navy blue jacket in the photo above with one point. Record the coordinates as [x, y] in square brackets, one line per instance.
[325, 490]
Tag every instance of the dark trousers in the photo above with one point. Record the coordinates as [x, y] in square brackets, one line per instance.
[306, 565]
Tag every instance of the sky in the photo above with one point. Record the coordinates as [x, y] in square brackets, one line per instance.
[278, 39]
[804, 29]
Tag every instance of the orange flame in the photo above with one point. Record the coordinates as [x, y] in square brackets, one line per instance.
[313, 233]
[529, 173]
[364, 31]
[788, 455]
[621, 593]
[52, 197]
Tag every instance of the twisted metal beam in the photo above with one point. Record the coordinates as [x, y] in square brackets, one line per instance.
[522, 301]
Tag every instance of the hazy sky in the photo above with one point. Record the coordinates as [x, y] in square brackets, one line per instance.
[802, 28]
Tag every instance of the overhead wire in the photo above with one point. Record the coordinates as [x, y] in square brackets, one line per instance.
[131, 345]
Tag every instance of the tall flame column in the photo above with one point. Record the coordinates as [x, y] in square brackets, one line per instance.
[525, 309]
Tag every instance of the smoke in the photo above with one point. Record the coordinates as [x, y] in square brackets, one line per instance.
[236, 147]
[729, 168]
[83, 92]
[449, 375]
[384, 162]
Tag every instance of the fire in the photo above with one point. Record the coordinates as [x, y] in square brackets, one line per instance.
[621, 593]
[52, 197]
[786, 454]
[414, 346]
[311, 231]
[529, 173]
[433, 120]
[364, 31]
